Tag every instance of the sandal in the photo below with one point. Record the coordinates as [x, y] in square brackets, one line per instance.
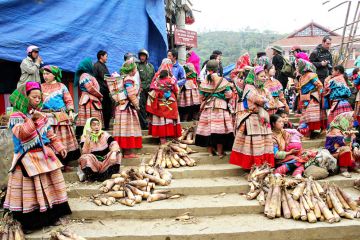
[346, 174]
[221, 156]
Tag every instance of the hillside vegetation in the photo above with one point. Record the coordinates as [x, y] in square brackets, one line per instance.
[233, 44]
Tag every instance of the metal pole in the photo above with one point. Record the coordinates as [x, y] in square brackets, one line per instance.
[354, 34]
[347, 50]
[180, 23]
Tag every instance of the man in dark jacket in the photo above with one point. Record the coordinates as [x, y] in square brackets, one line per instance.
[100, 69]
[322, 59]
[146, 72]
[278, 62]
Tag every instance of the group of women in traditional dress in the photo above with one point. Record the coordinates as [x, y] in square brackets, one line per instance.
[237, 114]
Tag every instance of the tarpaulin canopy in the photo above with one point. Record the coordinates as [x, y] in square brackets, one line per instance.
[68, 31]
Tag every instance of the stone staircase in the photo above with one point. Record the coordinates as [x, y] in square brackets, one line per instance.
[213, 193]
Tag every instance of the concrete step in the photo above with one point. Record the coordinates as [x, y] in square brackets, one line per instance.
[294, 119]
[313, 143]
[190, 186]
[200, 186]
[201, 205]
[245, 226]
[202, 170]
[152, 148]
[200, 157]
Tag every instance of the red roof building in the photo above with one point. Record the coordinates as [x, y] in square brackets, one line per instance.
[311, 35]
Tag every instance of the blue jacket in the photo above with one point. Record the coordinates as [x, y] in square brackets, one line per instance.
[179, 73]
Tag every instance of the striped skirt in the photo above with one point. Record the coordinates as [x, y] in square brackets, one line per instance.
[66, 135]
[189, 97]
[314, 116]
[127, 130]
[252, 150]
[357, 110]
[87, 111]
[41, 192]
[215, 126]
[90, 161]
[160, 127]
[337, 108]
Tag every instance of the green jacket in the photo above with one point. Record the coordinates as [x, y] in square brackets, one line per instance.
[146, 72]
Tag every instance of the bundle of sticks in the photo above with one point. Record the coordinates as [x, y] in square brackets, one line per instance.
[304, 199]
[65, 235]
[188, 135]
[10, 229]
[132, 186]
[173, 154]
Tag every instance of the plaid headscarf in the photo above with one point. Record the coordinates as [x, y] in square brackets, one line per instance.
[252, 79]
[127, 67]
[56, 71]
[343, 121]
[19, 99]
[305, 66]
[85, 66]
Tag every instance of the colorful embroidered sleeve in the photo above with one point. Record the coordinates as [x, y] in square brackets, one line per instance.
[252, 95]
[54, 141]
[90, 86]
[67, 98]
[24, 131]
[279, 154]
[132, 92]
[319, 86]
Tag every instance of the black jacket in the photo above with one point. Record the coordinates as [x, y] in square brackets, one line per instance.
[278, 62]
[100, 70]
[317, 56]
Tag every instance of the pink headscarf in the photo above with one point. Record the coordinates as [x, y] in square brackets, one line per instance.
[258, 69]
[32, 85]
[302, 55]
[195, 60]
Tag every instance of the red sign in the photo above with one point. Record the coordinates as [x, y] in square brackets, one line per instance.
[185, 37]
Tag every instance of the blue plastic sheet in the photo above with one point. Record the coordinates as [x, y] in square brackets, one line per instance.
[69, 30]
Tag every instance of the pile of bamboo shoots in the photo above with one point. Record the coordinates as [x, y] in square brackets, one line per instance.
[132, 186]
[188, 135]
[304, 199]
[65, 235]
[10, 229]
[173, 154]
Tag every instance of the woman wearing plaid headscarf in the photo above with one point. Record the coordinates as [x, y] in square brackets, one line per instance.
[310, 90]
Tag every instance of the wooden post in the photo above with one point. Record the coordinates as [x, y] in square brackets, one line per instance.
[351, 35]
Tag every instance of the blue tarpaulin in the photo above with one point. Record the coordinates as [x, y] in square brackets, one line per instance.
[69, 30]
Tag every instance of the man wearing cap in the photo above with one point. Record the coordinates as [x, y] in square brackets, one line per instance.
[278, 62]
[146, 71]
[30, 66]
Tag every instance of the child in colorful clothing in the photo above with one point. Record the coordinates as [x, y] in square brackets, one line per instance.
[285, 116]
[162, 104]
[101, 155]
[310, 87]
[287, 159]
[189, 99]
[338, 92]
[59, 109]
[338, 141]
[215, 126]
